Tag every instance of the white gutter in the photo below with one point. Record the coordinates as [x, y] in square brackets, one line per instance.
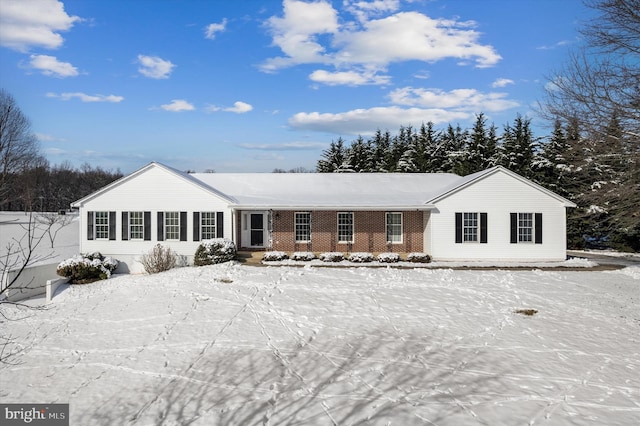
[236, 207]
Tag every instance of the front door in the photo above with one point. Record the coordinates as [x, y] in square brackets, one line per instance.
[257, 229]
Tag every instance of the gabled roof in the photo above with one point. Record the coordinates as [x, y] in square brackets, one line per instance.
[465, 181]
[182, 175]
[330, 190]
[348, 191]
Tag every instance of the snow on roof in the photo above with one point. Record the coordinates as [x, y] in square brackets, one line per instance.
[408, 190]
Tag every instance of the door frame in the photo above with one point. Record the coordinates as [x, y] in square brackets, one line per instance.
[245, 226]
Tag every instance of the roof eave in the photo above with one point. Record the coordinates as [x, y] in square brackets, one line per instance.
[315, 207]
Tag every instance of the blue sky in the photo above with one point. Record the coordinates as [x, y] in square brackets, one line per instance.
[249, 86]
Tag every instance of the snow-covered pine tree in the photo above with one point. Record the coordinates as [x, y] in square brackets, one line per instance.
[332, 158]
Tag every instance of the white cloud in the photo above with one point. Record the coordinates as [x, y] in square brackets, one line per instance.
[212, 29]
[310, 33]
[154, 67]
[502, 82]
[561, 43]
[33, 23]
[457, 99]
[238, 107]
[287, 146]
[363, 10]
[365, 121]
[296, 33]
[349, 78]
[49, 65]
[86, 98]
[177, 105]
[43, 137]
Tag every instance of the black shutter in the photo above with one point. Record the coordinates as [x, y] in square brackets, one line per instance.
[183, 226]
[125, 226]
[147, 226]
[514, 228]
[196, 226]
[160, 226]
[538, 225]
[483, 228]
[112, 225]
[219, 225]
[89, 225]
[458, 227]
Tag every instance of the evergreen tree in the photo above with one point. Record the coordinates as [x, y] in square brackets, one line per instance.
[475, 153]
[454, 143]
[332, 158]
[519, 146]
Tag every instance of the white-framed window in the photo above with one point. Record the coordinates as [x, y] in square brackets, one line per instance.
[470, 227]
[345, 227]
[394, 227]
[303, 227]
[101, 221]
[525, 227]
[207, 225]
[136, 225]
[172, 225]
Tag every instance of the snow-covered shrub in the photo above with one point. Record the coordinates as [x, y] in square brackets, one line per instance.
[217, 250]
[159, 259]
[361, 257]
[82, 269]
[331, 256]
[303, 255]
[388, 257]
[419, 258]
[274, 256]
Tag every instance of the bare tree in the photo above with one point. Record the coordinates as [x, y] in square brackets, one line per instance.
[599, 89]
[53, 223]
[18, 254]
[602, 80]
[18, 145]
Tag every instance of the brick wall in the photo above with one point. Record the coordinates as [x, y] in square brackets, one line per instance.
[369, 232]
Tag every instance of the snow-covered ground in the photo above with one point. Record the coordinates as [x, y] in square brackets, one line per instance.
[65, 234]
[240, 345]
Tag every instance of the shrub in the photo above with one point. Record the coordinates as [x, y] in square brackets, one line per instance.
[332, 256]
[303, 255]
[217, 250]
[159, 259]
[361, 257]
[82, 269]
[274, 256]
[388, 257]
[419, 258]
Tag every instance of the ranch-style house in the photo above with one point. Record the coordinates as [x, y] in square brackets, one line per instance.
[494, 214]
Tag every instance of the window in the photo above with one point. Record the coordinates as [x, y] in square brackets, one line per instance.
[394, 227]
[303, 227]
[136, 225]
[172, 225]
[207, 225]
[525, 227]
[345, 227]
[470, 227]
[102, 225]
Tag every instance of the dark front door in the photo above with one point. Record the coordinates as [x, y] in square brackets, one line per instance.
[257, 229]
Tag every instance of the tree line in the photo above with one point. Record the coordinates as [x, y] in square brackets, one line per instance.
[27, 181]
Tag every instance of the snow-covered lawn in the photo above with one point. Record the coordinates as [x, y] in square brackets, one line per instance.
[242, 345]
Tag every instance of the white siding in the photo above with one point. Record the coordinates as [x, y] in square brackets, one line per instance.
[498, 195]
[153, 190]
